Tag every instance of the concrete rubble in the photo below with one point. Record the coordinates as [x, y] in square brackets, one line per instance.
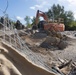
[27, 52]
[50, 54]
[43, 43]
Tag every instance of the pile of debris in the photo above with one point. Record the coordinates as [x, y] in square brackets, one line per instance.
[64, 68]
[52, 39]
[56, 40]
[43, 43]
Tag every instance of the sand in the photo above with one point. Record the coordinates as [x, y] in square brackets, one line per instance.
[13, 63]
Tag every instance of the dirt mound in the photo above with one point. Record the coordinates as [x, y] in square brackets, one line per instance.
[54, 42]
[13, 63]
[7, 67]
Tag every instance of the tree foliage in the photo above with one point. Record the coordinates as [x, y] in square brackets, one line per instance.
[27, 19]
[57, 11]
[33, 20]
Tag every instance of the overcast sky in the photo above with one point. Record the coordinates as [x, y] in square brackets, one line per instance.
[18, 9]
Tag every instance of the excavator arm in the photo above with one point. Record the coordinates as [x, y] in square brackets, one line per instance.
[40, 14]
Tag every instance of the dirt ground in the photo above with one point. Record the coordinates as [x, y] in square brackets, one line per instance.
[52, 55]
[37, 60]
[68, 53]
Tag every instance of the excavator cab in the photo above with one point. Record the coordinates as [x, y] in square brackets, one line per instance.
[41, 24]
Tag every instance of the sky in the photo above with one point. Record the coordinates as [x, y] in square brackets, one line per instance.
[19, 9]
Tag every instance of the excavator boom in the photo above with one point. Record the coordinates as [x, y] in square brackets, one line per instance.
[41, 14]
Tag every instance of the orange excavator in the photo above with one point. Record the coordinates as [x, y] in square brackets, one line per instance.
[46, 24]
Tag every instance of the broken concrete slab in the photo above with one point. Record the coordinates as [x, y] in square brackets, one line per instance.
[62, 44]
[52, 40]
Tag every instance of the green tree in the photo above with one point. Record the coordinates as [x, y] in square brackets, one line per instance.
[27, 19]
[57, 11]
[33, 20]
[73, 25]
[68, 19]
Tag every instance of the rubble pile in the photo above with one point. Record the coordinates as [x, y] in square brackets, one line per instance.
[55, 42]
[51, 47]
[72, 72]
